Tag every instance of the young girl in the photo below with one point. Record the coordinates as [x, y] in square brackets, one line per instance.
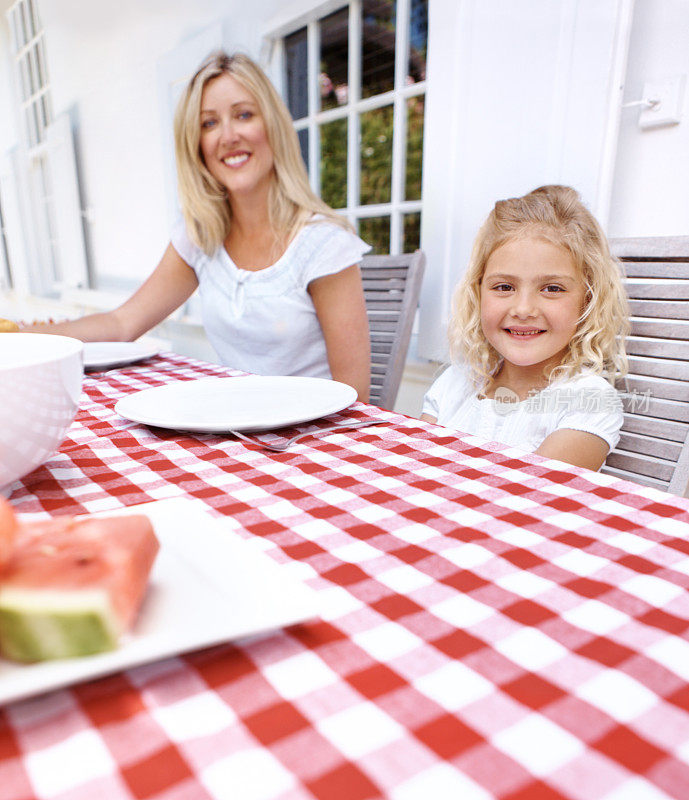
[537, 333]
[276, 268]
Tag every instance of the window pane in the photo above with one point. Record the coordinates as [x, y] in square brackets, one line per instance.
[412, 180]
[376, 232]
[15, 25]
[377, 47]
[33, 69]
[8, 281]
[45, 111]
[25, 80]
[303, 136]
[31, 124]
[376, 156]
[33, 14]
[334, 163]
[24, 34]
[333, 75]
[296, 74]
[418, 38]
[42, 72]
[411, 232]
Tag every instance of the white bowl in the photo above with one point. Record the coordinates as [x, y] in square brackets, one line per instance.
[40, 384]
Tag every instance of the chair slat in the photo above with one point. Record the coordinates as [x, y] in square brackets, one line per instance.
[654, 407]
[381, 349]
[676, 370]
[644, 480]
[659, 289]
[655, 269]
[660, 428]
[667, 309]
[657, 248]
[384, 303]
[384, 273]
[658, 468]
[654, 442]
[372, 284]
[382, 335]
[644, 387]
[663, 328]
[388, 327]
[649, 446]
[667, 348]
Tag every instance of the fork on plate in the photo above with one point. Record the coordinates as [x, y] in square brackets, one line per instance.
[280, 447]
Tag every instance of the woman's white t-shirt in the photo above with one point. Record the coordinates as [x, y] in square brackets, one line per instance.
[584, 403]
[264, 322]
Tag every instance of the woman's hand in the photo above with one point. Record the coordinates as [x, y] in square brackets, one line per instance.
[170, 284]
[341, 310]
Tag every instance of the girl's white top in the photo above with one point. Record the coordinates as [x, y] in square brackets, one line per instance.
[586, 402]
[265, 322]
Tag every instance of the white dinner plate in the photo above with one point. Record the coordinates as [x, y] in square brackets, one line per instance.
[103, 355]
[208, 585]
[252, 403]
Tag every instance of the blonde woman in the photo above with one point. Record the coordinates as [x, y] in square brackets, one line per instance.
[537, 333]
[276, 268]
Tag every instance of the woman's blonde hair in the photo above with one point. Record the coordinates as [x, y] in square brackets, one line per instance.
[203, 199]
[556, 214]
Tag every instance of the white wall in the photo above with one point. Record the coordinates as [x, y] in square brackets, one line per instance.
[519, 94]
[651, 183]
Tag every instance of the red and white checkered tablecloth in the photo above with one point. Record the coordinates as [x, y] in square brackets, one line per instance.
[499, 626]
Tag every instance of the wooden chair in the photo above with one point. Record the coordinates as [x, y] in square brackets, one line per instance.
[654, 444]
[392, 285]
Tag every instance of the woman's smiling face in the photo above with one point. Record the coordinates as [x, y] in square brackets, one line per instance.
[532, 297]
[234, 143]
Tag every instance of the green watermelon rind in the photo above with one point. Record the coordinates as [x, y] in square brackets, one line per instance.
[37, 625]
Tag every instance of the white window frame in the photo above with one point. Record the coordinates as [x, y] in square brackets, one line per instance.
[274, 36]
[54, 254]
[28, 45]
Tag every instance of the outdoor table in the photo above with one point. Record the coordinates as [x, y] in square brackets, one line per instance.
[497, 625]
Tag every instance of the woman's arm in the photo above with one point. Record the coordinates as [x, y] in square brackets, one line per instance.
[341, 311]
[428, 418]
[169, 285]
[579, 448]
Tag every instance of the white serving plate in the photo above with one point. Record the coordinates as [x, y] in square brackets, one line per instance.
[103, 355]
[252, 403]
[208, 585]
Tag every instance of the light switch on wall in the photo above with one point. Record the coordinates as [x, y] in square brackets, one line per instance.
[669, 96]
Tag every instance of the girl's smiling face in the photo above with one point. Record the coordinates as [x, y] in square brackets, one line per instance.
[234, 143]
[532, 296]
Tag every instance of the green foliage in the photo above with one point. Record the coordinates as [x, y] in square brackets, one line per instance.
[376, 156]
[376, 232]
[415, 110]
[334, 163]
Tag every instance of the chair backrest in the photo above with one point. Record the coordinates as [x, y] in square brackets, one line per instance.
[392, 285]
[654, 444]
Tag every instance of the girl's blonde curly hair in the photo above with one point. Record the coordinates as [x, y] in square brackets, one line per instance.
[556, 214]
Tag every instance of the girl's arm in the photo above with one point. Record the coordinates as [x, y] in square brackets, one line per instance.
[169, 285]
[428, 418]
[579, 448]
[341, 311]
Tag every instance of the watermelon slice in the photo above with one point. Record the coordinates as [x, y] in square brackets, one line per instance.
[72, 586]
[8, 530]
